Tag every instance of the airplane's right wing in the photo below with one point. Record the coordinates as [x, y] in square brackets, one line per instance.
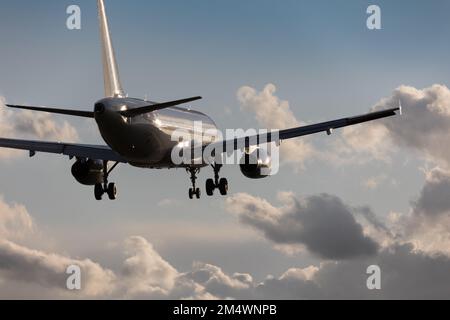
[68, 149]
[336, 124]
[277, 136]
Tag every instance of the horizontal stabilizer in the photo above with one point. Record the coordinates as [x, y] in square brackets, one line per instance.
[154, 107]
[76, 113]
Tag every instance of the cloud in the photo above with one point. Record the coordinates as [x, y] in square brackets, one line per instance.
[15, 221]
[434, 198]
[31, 273]
[18, 263]
[145, 271]
[32, 125]
[427, 225]
[424, 126]
[35, 274]
[360, 144]
[273, 113]
[269, 110]
[322, 223]
[144, 275]
[296, 283]
[218, 283]
[24, 270]
[405, 274]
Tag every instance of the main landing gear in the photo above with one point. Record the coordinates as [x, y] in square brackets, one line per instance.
[211, 184]
[217, 183]
[109, 188]
[194, 191]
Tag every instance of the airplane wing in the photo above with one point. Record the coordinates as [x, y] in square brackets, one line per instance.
[280, 135]
[68, 149]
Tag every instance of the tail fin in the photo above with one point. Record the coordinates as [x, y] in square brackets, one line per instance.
[113, 87]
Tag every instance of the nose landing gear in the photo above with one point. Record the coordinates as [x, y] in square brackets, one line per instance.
[109, 188]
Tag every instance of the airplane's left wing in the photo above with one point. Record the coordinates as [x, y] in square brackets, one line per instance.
[69, 149]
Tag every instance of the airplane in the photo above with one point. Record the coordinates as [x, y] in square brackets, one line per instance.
[138, 132]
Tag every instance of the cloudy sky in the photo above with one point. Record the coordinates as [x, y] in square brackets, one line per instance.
[372, 194]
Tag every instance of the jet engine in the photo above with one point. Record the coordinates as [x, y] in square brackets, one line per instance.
[88, 172]
[256, 165]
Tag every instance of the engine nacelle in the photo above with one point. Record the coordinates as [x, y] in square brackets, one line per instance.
[88, 172]
[256, 165]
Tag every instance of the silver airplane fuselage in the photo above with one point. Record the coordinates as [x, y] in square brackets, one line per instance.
[146, 141]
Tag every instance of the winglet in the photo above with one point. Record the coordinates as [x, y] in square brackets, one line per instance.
[400, 108]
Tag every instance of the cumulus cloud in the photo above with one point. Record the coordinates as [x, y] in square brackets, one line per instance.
[15, 221]
[31, 273]
[322, 223]
[24, 270]
[19, 263]
[144, 275]
[145, 272]
[360, 144]
[424, 126]
[405, 274]
[33, 125]
[414, 265]
[427, 225]
[273, 113]
[218, 283]
[434, 198]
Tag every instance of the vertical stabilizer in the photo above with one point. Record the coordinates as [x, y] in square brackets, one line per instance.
[113, 87]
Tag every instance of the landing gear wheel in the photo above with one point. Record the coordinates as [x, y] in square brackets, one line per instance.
[101, 188]
[112, 191]
[194, 191]
[98, 191]
[210, 186]
[223, 186]
[217, 183]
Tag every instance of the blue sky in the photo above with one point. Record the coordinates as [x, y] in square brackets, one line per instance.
[319, 54]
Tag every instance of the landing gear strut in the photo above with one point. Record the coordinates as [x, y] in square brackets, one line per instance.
[108, 188]
[217, 183]
[194, 191]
